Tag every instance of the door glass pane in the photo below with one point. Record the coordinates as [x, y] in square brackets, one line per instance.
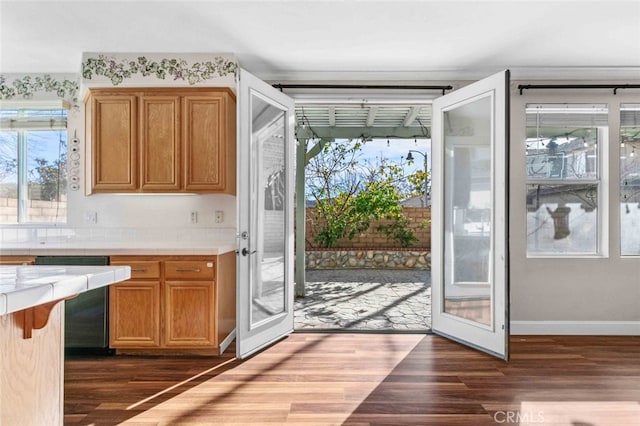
[268, 201]
[630, 179]
[468, 215]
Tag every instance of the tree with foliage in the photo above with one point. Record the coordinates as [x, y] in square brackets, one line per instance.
[349, 195]
[416, 183]
[51, 178]
[8, 155]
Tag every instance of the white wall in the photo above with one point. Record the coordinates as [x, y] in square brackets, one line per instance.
[560, 295]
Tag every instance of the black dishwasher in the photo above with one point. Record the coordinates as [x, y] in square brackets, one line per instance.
[86, 329]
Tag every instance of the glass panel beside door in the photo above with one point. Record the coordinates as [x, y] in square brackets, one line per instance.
[563, 148]
[630, 179]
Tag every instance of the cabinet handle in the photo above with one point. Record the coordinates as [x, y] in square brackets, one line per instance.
[138, 269]
[188, 270]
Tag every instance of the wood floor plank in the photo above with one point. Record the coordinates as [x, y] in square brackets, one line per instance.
[366, 379]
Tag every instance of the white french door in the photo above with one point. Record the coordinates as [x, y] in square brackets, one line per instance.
[469, 215]
[266, 169]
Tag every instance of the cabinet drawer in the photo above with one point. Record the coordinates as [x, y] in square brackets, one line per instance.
[189, 269]
[141, 268]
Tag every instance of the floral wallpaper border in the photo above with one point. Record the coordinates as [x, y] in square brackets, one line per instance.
[28, 86]
[179, 69]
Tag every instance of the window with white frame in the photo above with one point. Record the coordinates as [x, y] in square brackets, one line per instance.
[33, 166]
[564, 144]
[630, 179]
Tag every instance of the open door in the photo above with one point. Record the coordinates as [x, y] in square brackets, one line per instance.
[265, 215]
[469, 215]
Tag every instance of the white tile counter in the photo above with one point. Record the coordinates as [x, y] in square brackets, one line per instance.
[63, 241]
[109, 249]
[23, 287]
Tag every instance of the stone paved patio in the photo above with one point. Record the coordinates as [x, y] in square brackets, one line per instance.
[365, 299]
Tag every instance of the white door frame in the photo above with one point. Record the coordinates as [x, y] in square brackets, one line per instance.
[492, 338]
[253, 335]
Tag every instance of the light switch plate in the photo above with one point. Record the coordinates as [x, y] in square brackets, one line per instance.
[219, 216]
[91, 218]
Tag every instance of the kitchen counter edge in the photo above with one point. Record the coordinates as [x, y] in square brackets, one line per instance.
[51, 250]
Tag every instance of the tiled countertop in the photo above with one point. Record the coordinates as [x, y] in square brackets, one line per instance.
[108, 249]
[61, 241]
[23, 287]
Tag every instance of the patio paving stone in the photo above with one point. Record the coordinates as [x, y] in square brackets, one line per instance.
[365, 299]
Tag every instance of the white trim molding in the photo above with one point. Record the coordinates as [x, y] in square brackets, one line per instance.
[227, 341]
[589, 328]
[452, 74]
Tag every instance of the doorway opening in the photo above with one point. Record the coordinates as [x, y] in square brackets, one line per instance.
[366, 217]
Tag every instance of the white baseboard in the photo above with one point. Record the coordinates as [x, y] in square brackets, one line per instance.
[227, 341]
[589, 328]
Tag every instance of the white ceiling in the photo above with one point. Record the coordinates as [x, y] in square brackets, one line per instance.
[333, 39]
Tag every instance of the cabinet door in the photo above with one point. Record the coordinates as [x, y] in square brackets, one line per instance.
[17, 260]
[159, 143]
[189, 314]
[114, 143]
[209, 143]
[134, 314]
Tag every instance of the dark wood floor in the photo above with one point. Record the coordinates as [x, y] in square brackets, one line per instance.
[367, 379]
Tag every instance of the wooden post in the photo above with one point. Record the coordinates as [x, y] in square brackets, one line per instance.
[301, 204]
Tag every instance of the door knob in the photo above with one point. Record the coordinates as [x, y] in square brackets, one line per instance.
[246, 252]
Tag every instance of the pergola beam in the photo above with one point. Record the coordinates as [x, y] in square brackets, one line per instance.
[371, 118]
[411, 116]
[357, 132]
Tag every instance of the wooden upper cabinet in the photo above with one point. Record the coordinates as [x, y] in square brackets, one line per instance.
[160, 143]
[162, 140]
[209, 160]
[114, 143]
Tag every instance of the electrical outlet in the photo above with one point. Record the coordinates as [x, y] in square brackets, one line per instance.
[219, 216]
[193, 217]
[91, 218]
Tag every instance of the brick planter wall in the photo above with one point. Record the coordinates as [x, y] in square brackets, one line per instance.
[372, 249]
[419, 223]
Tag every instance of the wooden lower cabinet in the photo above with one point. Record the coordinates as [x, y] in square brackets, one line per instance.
[17, 260]
[134, 314]
[189, 313]
[173, 304]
